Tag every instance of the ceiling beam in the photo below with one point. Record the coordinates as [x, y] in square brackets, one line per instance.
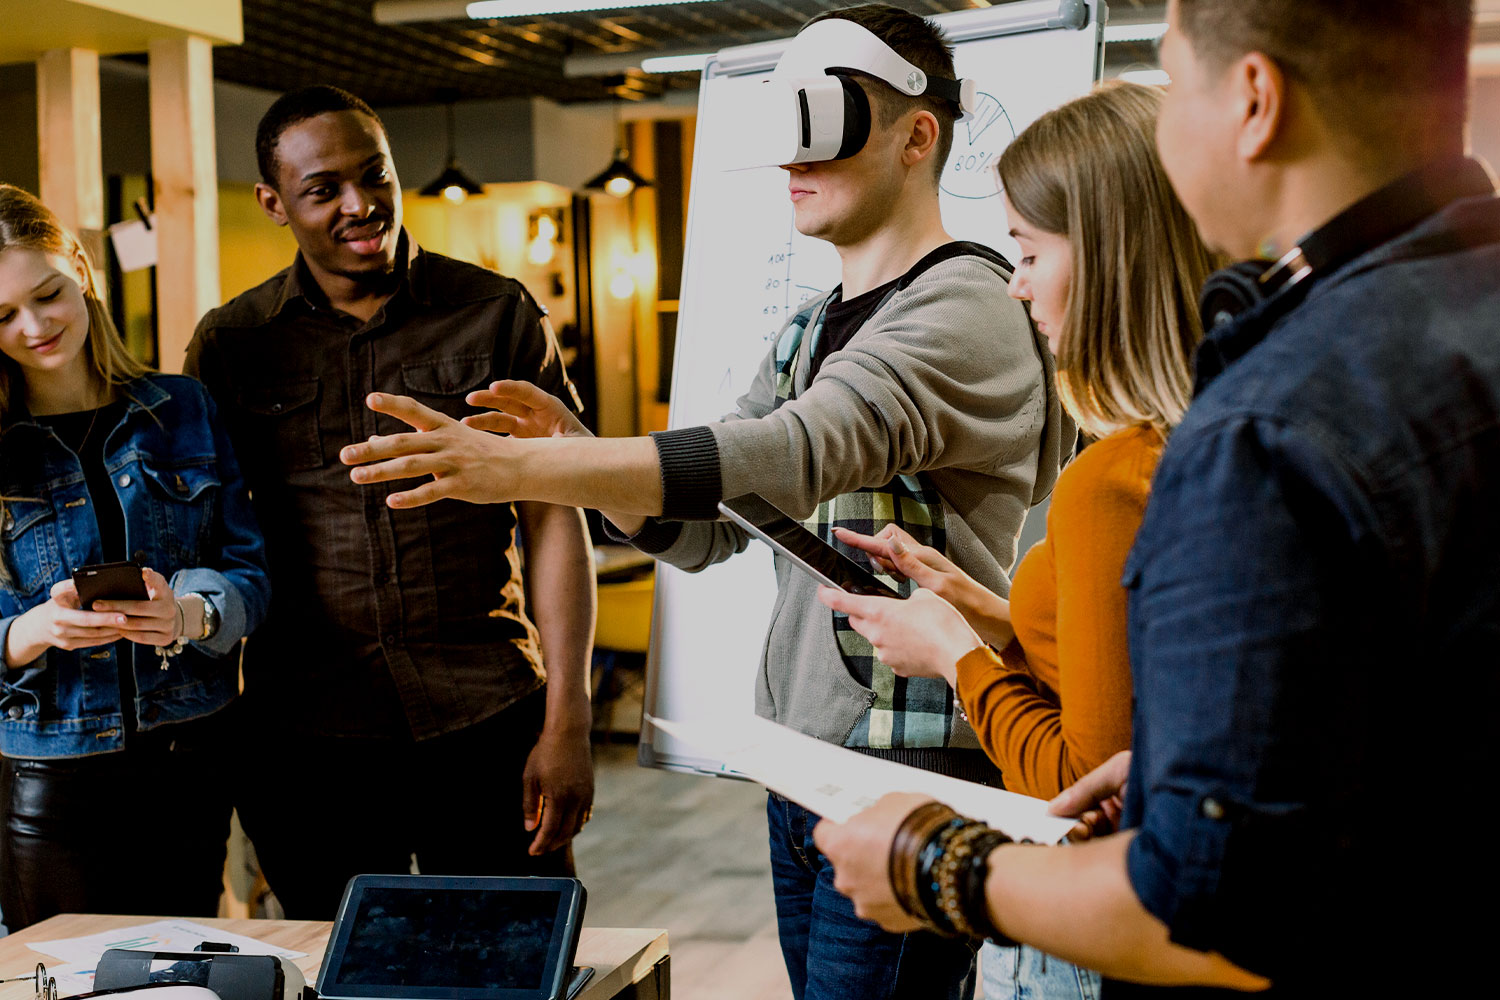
[406, 11]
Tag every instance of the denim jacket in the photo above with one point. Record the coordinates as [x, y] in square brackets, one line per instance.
[1314, 620]
[187, 516]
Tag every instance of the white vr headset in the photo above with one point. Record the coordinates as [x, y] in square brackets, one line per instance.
[811, 108]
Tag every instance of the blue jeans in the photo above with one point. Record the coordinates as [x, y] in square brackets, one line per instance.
[1022, 973]
[830, 953]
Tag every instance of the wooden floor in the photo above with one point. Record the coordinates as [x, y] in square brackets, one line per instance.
[688, 854]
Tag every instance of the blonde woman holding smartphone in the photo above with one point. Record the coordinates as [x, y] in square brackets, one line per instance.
[114, 797]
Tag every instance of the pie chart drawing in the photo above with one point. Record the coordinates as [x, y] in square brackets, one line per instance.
[977, 144]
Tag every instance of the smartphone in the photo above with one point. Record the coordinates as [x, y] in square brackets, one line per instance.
[116, 581]
[806, 550]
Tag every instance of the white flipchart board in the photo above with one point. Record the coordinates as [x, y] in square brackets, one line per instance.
[746, 268]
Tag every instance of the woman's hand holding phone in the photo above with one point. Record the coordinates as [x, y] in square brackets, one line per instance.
[152, 622]
[922, 636]
[58, 624]
[898, 554]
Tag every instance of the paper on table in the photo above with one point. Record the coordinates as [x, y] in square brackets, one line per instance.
[73, 978]
[161, 935]
[836, 783]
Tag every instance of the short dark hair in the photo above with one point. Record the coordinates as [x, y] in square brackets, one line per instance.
[1381, 69]
[297, 106]
[919, 42]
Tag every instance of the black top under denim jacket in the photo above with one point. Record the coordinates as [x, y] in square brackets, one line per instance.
[386, 623]
[1314, 616]
[173, 474]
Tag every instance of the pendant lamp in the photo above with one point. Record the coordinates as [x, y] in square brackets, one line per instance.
[452, 184]
[619, 178]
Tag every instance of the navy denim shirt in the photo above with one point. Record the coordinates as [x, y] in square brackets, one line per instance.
[1314, 620]
[186, 516]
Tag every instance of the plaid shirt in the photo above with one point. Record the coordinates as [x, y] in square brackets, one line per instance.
[908, 712]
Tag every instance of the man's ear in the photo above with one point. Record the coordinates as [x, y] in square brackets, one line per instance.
[1260, 87]
[921, 139]
[270, 202]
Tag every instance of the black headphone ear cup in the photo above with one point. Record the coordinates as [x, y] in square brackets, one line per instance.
[856, 118]
[1231, 292]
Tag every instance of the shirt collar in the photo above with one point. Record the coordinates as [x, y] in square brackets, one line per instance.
[1371, 225]
[138, 395]
[300, 287]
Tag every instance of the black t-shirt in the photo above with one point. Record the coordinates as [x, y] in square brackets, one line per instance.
[842, 320]
[84, 433]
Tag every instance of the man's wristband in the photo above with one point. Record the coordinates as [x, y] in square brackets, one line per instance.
[904, 863]
[948, 873]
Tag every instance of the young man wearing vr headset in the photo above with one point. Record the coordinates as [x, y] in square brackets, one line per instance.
[1325, 520]
[916, 393]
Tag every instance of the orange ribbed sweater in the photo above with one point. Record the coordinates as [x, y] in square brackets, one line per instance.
[1055, 703]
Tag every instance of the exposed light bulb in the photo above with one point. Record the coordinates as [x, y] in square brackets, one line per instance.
[541, 250]
[619, 186]
[455, 194]
[546, 227]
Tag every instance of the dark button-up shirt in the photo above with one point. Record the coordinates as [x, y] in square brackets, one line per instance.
[384, 622]
[1314, 618]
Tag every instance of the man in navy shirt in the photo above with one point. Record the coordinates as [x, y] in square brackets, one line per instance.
[1315, 591]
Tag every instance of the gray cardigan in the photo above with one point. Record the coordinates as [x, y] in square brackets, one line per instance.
[947, 378]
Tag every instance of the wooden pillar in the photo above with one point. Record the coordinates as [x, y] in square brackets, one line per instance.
[186, 191]
[72, 170]
[643, 221]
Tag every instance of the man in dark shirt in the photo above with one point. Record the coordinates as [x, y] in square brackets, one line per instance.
[1314, 605]
[395, 701]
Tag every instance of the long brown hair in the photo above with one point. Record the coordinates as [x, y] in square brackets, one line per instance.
[1089, 171]
[25, 222]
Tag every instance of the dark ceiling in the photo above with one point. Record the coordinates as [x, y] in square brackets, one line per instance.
[292, 43]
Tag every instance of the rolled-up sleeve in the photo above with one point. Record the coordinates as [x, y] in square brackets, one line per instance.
[1249, 609]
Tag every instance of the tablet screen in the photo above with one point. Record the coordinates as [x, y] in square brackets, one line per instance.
[447, 943]
[788, 537]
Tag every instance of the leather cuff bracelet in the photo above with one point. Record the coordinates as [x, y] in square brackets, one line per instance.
[912, 836]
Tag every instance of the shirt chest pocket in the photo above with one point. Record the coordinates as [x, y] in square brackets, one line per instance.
[28, 531]
[442, 383]
[184, 509]
[283, 432]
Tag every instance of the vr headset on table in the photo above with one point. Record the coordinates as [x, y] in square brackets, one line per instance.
[812, 109]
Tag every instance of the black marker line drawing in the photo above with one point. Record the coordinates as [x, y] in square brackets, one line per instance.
[970, 171]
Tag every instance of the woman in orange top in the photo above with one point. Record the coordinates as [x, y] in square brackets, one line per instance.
[1111, 266]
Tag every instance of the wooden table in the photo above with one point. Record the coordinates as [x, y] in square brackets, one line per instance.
[628, 962]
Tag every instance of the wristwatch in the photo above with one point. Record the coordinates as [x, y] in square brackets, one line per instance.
[200, 619]
[210, 618]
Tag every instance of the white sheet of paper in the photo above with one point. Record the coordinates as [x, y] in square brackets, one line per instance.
[836, 783]
[161, 935]
[73, 978]
[135, 244]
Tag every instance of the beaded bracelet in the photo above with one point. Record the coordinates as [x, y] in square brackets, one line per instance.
[972, 899]
[948, 875]
[960, 877]
[932, 855]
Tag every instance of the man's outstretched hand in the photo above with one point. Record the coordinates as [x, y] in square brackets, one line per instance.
[522, 410]
[465, 463]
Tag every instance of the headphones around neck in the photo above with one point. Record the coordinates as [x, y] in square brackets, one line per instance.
[1376, 219]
